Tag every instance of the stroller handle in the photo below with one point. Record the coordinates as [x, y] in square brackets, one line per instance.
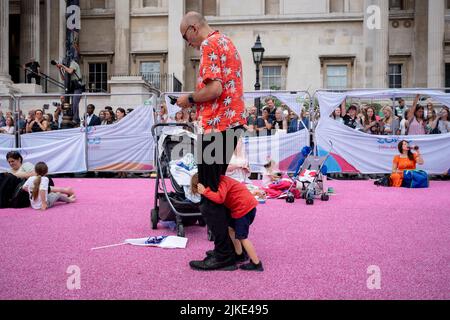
[182, 125]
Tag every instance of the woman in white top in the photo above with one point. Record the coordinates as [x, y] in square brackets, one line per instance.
[37, 187]
[9, 127]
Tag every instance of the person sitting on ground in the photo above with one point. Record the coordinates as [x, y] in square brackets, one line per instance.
[407, 160]
[25, 170]
[416, 119]
[390, 123]
[17, 167]
[9, 126]
[242, 204]
[37, 187]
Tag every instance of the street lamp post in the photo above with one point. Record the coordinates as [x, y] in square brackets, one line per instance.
[258, 56]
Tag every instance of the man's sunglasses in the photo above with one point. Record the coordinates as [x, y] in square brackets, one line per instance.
[184, 35]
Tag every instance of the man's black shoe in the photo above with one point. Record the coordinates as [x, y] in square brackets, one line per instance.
[252, 267]
[239, 258]
[211, 264]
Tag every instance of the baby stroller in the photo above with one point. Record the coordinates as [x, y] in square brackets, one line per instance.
[173, 205]
[310, 175]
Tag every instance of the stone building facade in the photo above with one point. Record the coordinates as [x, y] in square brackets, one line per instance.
[309, 44]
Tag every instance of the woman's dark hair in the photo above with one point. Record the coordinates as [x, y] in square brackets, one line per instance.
[400, 149]
[367, 120]
[41, 170]
[417, 109]
[122, 110]
[448, 112]
[14, 155]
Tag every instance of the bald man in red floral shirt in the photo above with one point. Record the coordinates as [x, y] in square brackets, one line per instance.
[220, 105]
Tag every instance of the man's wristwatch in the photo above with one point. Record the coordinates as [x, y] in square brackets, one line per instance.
[191, 99]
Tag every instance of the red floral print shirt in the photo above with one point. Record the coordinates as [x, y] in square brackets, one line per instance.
[221, 61]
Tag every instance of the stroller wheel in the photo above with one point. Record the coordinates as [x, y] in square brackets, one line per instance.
[309, 202]
[325, 197]
[180, 230]
[290, 199]
[154, 218]
[210, 235]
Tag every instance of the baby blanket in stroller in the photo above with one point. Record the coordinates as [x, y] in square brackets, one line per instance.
[182, 171]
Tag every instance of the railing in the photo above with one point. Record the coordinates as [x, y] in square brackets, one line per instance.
[163, 82]
[46, 79]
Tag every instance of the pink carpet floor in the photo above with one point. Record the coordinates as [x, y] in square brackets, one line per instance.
[309, 252]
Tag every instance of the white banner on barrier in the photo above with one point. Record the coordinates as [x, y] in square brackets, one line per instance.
[358, 152]
[7, 143]
[123, 146]
[283, 149]
[65, 154]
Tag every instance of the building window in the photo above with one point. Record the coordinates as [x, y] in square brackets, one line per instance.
[98, 77]
[205, 7]
[271, 78]
[98, 4]
[337, 77]
[336, 6]
[395, 76]
[272, 7]
[151, 72]
[396, 5]
[150, 3]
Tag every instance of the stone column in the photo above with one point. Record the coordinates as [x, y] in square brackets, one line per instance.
[376, 43]
[176, 45]
[122, 38]
[436, 28]
[5, 78]
[29, 31]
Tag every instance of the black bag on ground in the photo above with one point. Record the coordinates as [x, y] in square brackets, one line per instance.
[384, 182]
[11, 193]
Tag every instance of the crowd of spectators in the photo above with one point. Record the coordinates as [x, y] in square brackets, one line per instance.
[271, 121]
[400, 120]
[40, 120]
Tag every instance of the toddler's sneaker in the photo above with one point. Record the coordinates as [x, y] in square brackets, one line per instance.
[252, 267]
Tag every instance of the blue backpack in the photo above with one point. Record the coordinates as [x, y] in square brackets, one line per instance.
[415, 179]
